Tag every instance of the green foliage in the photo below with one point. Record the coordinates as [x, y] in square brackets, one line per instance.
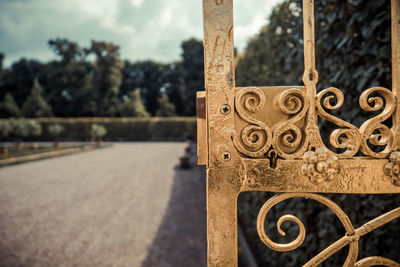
[93, 81]
[118, 129]
[17, 80]
[193, 73]
[55, 129]
[19, 128]
[97, 132]
[35, 105]
[174, 86]
[165, 108]
[8, 107]
[1, 61]
[133, 106]
[67, 50]
[5, 128]
[108, 77]
[69, 82]
[1, 69]
[34, 128]
[23, 128]
[146, 76]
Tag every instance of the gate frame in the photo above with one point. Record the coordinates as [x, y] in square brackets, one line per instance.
[229, 140]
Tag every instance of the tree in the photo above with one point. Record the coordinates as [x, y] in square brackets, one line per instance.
[8, 107]
[166, 108]
[148, 77]
[108, 77]
[67, 80]
[35, 105]
[133, 106]
[1, 69]
[17, 80]
[1, 61]
[85, 98]
[174, 87]
[68, 51]
[193, 72]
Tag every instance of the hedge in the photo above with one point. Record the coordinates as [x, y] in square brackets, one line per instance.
[121, 129]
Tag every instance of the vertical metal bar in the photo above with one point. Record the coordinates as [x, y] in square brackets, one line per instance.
[219, 75]
[223, 182]
[310, 77]
[309, 40]
[395, 14]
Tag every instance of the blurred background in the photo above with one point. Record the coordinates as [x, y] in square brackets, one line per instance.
[80, 75]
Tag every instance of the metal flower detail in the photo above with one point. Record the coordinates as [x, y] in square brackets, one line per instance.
[320, 166]
[392, 168]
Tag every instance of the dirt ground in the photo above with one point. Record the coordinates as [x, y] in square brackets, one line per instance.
[128, 205]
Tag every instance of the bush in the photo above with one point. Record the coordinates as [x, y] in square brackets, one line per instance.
[23, 128]
[19, 128]
[55, 129]
[119, 129]
[5, 128]
[97, 132]
[34, 128]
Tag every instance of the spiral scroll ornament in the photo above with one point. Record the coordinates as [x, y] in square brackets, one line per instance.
[289, 140]
[351, 238]
[255, 139]
[347, 137]
[373, 131]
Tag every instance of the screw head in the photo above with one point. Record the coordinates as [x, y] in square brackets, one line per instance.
[225, 109]
[226, 156]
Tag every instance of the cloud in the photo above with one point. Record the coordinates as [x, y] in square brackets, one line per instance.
[151, 29]
[137, 2]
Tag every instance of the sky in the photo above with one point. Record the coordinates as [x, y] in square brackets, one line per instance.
[144, 29]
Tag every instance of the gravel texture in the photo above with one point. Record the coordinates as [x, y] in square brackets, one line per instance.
[128, 205]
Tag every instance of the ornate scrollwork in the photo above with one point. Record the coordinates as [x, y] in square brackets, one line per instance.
[255, 139]
[289, 140]
[299, 133]
[347, 137]
[351, 238]
[376, 261]
[373, 131]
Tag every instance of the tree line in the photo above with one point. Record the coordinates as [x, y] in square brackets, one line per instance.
[94, 82]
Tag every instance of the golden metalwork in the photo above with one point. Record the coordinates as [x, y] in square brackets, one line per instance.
[351, 238]
[267, 139]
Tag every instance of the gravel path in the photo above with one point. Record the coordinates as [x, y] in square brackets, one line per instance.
[128, 205]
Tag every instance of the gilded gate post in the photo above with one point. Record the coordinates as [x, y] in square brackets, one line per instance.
[222, 187]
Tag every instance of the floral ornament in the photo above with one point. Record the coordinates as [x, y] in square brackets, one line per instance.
[392, 168]
[320, 166]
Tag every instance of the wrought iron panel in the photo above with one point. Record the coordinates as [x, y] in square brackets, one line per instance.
[267, 139]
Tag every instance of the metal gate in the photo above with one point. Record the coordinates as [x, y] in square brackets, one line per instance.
[267, 139]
